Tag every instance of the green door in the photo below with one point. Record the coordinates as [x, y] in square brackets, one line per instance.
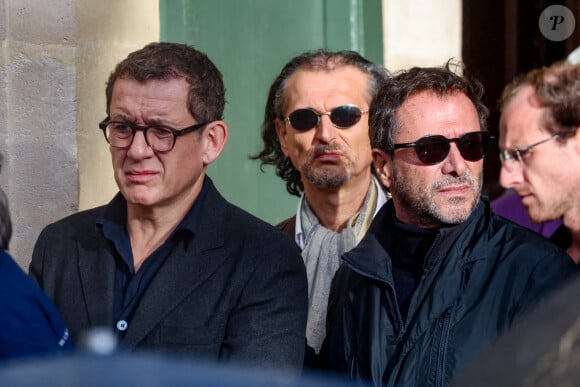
[250, 41]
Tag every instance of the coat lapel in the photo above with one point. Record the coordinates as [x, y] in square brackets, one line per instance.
[187, 268]
[97, 273]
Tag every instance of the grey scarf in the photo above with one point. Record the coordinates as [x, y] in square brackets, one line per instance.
[322, 251]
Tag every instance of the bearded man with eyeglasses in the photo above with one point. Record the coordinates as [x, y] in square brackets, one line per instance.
[315, 133]
[438, 276]
[169, 265]
[540, 148]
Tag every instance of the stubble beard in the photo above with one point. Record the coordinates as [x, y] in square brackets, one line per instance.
[420, 200]
[329, 175]
[540, 212]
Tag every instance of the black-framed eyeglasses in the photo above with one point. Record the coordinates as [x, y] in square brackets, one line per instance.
[431, 150]
[509, 156]
[160, 138]
[342, 117]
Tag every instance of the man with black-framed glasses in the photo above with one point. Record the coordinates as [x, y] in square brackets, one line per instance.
[315, 133]
[539, 143]
[169, 265]
[438, 276]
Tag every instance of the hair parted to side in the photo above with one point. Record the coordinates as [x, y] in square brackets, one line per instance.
[448, 79]
[164, 61]
[319, 60]
[557, 87]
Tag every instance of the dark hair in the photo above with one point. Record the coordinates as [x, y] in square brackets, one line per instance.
[444, 80]
[320, 60]
[164, 61]
[5, 221]
[557, 88]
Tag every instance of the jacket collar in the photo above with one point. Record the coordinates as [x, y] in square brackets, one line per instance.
[188, 267]
[371, 259]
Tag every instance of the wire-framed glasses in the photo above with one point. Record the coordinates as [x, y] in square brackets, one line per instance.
[511, 157]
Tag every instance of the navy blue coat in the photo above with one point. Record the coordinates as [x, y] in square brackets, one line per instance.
[479, 276]
[29, 322]
[236, 292]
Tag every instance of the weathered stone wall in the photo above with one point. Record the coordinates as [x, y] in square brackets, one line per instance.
[55, 57]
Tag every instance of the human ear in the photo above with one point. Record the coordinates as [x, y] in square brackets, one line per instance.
[382, 162]
[215, 136]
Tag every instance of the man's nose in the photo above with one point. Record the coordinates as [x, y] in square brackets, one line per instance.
[325, 130]
[139, 145]
[454, 163]
[510, 174]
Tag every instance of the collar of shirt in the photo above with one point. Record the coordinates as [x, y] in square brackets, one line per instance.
[113, 222]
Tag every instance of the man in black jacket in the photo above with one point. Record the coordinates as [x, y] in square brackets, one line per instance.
[169, 264]
[438, 276]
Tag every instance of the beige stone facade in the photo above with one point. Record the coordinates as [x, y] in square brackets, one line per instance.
[421, 32]
[55, 56]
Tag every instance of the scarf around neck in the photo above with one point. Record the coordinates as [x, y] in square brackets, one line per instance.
[322, 251]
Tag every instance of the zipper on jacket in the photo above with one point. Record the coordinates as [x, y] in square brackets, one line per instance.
[402, 324]
[440, 370]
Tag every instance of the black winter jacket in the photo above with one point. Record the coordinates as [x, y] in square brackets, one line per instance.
[478, 277]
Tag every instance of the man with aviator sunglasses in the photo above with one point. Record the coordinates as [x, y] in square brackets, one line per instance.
[438, 275]
[315, 133]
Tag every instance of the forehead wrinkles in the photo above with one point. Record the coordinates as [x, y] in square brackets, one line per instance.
[428, 113]
[314, 85]
[155, 98]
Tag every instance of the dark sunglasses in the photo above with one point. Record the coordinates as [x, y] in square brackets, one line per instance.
[341, 117]
[432, 150]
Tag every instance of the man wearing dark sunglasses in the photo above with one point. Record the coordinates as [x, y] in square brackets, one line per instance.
[315, 133]
[437, 276]
[169, 265]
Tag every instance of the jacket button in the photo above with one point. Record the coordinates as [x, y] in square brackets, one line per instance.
[122, 325]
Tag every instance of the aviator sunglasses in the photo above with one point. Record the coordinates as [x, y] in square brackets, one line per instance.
[431, 150]
[341, 117]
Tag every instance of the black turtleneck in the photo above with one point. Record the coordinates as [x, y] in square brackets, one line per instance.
[408, 250]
